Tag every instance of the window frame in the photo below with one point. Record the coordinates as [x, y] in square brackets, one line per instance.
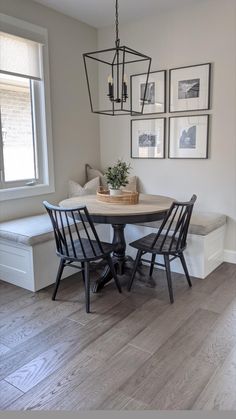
[41, 114]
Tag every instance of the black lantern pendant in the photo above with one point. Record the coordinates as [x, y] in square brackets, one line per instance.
[109, 71]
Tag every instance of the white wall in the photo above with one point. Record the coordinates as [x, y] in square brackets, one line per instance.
[75, 130]
[203, 32]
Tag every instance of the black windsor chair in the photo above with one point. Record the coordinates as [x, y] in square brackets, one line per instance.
[72, 247]
[170, 241]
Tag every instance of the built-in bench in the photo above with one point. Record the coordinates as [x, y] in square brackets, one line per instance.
[28, 258]
[28, 254]
[205, 249]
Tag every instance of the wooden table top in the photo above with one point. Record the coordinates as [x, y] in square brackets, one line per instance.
[148, 204]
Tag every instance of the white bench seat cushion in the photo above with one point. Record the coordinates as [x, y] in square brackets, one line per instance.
[28, 230]
[202, 223]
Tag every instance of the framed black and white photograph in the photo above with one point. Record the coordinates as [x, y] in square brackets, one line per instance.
[155, 97]
[188, 137]
[190, 88]
[148, 138]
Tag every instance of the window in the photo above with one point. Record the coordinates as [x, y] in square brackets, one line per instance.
[26, 166]
[19, 144]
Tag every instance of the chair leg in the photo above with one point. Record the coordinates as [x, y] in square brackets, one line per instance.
[82, 270]
[87, 286]
[168, 276]
[136, 263]
[152, 264]
[59, 274]
[185, 268]
[113, 271]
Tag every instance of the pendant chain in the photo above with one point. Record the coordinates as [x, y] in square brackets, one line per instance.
[117, 24]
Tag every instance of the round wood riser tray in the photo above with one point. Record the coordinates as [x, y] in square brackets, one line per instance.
[126, 198]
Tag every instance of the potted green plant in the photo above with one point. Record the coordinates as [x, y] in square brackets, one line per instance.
[117, 176]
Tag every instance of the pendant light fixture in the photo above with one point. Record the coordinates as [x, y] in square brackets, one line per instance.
[108, 74]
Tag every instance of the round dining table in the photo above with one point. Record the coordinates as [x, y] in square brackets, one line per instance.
[150, 208]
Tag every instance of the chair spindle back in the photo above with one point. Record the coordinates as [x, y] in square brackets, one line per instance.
[70, 242]
[174, 228]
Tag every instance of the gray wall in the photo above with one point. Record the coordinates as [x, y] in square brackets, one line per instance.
[75, 130]
[203, 32]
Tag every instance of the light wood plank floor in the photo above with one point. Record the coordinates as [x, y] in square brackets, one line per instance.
[134, 351]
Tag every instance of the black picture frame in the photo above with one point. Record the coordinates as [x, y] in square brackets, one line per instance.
[206, 150]
[133, 76]
[190, 104]
[163, 148]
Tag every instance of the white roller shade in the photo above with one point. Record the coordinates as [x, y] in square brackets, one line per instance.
[20, 56]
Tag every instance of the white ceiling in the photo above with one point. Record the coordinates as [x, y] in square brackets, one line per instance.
[99, 13]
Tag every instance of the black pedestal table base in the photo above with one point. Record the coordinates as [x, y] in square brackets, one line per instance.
[119, 257]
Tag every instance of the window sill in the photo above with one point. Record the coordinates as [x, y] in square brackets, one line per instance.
[25, 191]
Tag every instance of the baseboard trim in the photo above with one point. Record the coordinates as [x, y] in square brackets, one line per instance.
[230, 256]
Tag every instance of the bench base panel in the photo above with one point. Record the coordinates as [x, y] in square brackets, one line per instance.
[32, 268]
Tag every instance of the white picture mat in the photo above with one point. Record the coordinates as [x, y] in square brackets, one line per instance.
[201, 72]
[148, 126]
[177, 125]
[159, 79]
